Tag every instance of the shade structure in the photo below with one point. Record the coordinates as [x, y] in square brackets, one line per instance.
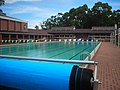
[36, 75]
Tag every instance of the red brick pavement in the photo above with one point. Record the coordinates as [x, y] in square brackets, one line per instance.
[108, 57]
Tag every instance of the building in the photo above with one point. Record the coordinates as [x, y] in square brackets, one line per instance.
[14, 30]
[96, 33]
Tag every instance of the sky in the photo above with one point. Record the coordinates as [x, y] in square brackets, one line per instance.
[37, 11]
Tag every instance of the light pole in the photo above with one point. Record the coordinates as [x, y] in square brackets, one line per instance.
[118, 28]
[119, 37]
[118, 34]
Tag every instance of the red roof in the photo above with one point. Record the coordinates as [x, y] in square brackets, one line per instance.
[42, 32]
[79, 31]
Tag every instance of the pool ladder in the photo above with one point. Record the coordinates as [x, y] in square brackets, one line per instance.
[85, 53]
[95, 82]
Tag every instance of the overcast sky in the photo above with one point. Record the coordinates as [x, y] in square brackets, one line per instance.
[36, 11]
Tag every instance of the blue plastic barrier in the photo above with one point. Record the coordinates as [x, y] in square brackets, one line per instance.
[35, 75]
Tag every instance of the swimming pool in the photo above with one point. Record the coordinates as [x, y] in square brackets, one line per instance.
[54, 50]
[32, 71]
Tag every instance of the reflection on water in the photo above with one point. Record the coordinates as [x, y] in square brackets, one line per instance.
[61, 50]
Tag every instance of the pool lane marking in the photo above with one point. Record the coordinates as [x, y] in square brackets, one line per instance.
[53, 49]
[78, 53]
[49, 49]
[63, 52]
[19, 53]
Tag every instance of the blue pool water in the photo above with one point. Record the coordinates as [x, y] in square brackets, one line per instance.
[55, 50]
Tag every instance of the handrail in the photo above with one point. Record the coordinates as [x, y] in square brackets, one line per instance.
[49, 60]
[85, 53]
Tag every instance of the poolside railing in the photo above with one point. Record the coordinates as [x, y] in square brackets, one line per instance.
[12, 41]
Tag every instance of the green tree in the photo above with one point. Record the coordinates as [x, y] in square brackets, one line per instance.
[37, 27]
[100, 14]
[2, 2]
[82, 16]
[75, 17]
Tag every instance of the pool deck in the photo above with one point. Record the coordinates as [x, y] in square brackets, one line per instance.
[108, 57]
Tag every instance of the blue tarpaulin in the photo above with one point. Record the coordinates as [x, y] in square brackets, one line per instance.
[34, 75]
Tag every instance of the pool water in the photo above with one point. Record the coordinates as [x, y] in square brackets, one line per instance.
[56, 50]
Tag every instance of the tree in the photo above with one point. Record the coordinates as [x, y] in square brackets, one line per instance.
[75, 17]
[2, 2]
[100, 14]
[37, 27]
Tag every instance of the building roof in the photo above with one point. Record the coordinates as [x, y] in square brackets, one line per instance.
[24, 33]
[103, 28]
[11, 18]
[38, 31]
[63, 28]
[50, 32]
[87, 31]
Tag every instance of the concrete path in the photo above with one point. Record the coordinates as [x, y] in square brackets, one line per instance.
[108, 57]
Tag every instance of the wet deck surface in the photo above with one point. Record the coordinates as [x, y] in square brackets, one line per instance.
[108, 57]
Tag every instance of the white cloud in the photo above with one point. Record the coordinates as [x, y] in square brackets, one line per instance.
[40, 16]
[46, 12]
[33, 22]
[33, 10]
[13, 1]
[33, 14]
[22, 9]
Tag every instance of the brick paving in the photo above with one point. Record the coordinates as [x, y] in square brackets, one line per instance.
[108, 57]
